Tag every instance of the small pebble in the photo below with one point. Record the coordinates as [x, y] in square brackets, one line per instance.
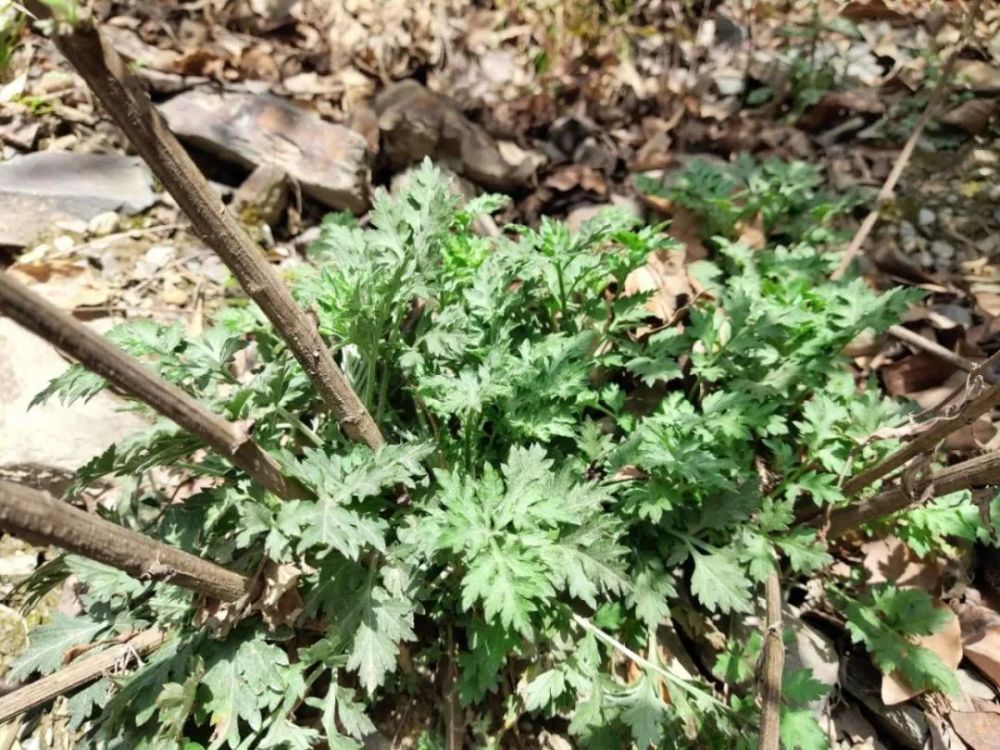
[103, 224]
[985, 156]
[74, 226]
[63, 243]
[907, 236]
[926, 217]
[155, 258]
[925, 259]
[942, 250]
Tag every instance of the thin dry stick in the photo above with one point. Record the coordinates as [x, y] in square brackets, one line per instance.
[931, 347]
[129, 375]
[40, 519]
[125, 99]
[926, 440]
[903, 159]
[773, 663]
[981, 471]
[78, 673]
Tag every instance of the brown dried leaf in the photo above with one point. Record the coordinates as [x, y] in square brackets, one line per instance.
[875, 10]
[751, 233]
[914, 373]
[988, 302]
[890, 561]
[576, 175]
[972, 116]
[838, 105]
[666, 276]
[981, 638]
[978, 75]
[280, 603]
[980, 729]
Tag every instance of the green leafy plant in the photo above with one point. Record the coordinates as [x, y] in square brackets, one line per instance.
[531, 523]
[788, 197]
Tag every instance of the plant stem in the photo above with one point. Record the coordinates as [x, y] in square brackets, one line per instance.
[129, 375]
[299, 425]
[671, 679]
[981, 471]
[78, 673]
[39, 518]
[774, 665]
[936, 431]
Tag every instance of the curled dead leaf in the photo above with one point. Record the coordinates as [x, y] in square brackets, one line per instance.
[981, 638]
[665, 275]
[280, 602]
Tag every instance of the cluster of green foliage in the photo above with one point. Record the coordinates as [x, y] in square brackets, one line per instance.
[560, 477]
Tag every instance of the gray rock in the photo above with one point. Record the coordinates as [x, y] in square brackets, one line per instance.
[416, 122]
[942, 250]
[263, 196]
[908, 239]
[45, 445]
[329, 161]
[103, 224]
[926, 217]
[37, 190]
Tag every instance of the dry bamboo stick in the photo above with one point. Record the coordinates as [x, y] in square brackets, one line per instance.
[773, 664]
[926, 440]
[39, 518]
[126, 101]
[981, 471]
[78, 673]
[128, 374]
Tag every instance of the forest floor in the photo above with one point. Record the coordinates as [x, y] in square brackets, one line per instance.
[565, 106]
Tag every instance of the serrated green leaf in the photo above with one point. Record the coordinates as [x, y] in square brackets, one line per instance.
[384, 622]
[49, 643]
[719, 582]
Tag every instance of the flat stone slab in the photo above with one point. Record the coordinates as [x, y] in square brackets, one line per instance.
[43, 446]
[329, 161]
[39, 189]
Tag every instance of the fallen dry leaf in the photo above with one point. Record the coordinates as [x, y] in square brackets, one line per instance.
[666, 277]
[875, 10]
[914, 373]
[280, 603]
[980, 730]
[981, 638]
[972, 116]
[63, 283]
[751, 233]
[890, 561]
[988, 302]
[978, 76]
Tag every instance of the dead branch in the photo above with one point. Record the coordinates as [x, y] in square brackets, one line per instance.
[931, 347]
[773, 662]
[126, 101]
[926, 440]
[78, 673]
[39, 518]
[981, 471]
[129, 375]
[888, 188]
